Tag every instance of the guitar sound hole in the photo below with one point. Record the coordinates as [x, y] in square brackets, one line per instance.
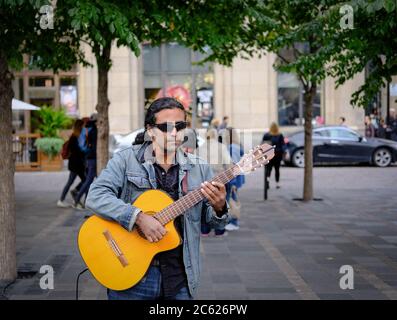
[140, 232]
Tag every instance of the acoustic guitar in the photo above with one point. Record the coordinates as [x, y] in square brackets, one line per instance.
[118, 259]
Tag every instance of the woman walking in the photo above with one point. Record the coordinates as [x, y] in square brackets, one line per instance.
[276, 139]
[75, 165]
[369, 128]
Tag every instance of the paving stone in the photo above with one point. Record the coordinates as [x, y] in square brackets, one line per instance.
[284, 249]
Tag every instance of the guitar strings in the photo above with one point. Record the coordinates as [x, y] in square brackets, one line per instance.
[126, 238]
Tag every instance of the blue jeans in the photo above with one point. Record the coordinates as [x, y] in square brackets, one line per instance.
[91, 174]
[72, 177]
[149, 288]
[206, 228]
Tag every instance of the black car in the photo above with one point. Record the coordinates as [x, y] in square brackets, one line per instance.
[340, 145]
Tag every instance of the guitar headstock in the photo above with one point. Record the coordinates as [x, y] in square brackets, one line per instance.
[256, 158]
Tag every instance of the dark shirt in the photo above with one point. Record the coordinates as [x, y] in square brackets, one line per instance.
[171, 262]
[76, 157]
[369, 130]
[91, 140]
[381, 132]
[277, 141]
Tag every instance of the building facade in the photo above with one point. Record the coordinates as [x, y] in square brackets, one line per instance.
[251, 93]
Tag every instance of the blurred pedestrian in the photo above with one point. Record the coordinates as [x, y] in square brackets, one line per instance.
[381, 132]
[230, 137]
[276, 139]
[392, 125]
[369, 127]
[89, 149]
[214, 124]
[76, 164]
[342, 121]
[319, 121]
[217, 156]
[224, 123]
[374, 120]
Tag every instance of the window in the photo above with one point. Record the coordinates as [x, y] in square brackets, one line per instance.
[151, 59]
[342, 134]
[68, 96]
[68, 81]
[291, 102]
[170, 70]
[320, 133]
[178, 58]
[41, 82]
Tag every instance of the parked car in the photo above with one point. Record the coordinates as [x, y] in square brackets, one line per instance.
[119, 142]
[340, 145]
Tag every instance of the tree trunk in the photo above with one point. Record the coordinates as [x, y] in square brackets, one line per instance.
[8, 265]
[103, 109]
[309, 95]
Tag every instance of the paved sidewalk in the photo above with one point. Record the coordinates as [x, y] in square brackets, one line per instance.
[285, 249]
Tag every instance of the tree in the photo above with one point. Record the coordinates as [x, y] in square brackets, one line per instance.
[315, 39]
[371, 39]
[196, 24]
[23, 30]
[99, 24]
[292, 31]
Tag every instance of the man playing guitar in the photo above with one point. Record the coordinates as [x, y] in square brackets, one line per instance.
[156, 161]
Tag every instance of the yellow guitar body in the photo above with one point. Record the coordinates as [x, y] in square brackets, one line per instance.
[119, 259]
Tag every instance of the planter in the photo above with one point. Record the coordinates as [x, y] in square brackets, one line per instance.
[54, 164]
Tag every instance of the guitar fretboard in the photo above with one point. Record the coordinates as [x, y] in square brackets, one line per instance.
[181, 205]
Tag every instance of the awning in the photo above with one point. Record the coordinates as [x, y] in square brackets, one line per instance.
[20, 105]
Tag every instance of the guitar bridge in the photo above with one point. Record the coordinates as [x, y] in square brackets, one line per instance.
[115, 248]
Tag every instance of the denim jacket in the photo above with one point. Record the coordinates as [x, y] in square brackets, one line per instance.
[126, 176]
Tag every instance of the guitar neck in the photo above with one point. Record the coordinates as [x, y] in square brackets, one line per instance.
[192, 198]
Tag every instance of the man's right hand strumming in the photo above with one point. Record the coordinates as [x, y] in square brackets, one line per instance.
[151, 227]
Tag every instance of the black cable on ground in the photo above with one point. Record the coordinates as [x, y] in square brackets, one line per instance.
[77, 283]
[5, 288]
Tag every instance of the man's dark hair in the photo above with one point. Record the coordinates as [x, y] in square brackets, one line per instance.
[155, 107]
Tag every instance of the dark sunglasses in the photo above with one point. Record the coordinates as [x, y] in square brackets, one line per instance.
[169, 126]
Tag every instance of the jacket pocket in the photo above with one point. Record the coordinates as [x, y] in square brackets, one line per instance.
[138, 181]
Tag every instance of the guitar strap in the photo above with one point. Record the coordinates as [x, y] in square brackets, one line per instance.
[184, 184]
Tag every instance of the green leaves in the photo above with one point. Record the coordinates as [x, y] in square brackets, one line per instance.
[49, 146]
[390, 5]
[329, 48]
[102, 22]
[372, 41]
[51, 121]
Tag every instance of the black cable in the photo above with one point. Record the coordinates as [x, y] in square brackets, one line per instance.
[6, 287]
[77, 283]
